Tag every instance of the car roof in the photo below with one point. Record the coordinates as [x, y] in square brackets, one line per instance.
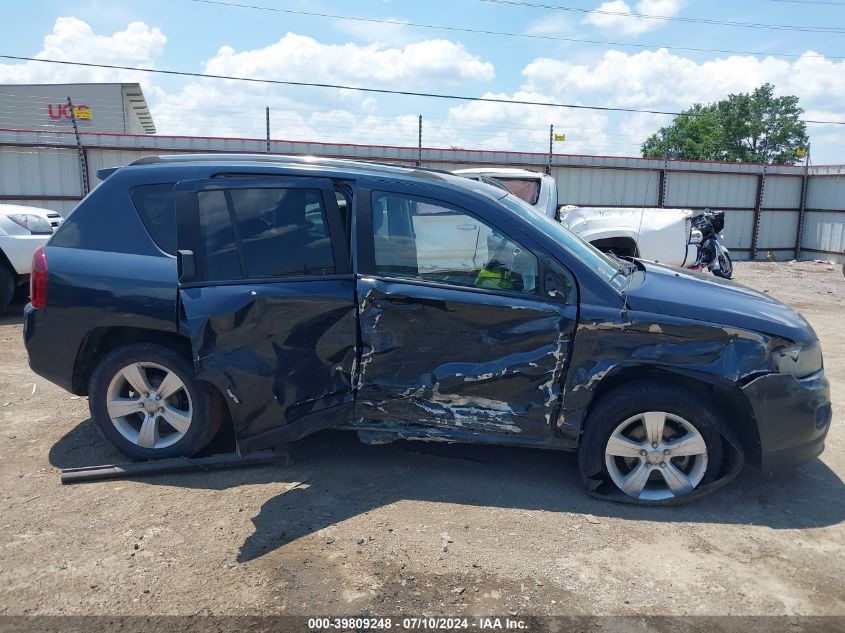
[335, 167]
[500, 171]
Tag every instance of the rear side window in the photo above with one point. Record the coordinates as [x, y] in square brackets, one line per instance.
[157, 209]
[527, 189]
[265, 233]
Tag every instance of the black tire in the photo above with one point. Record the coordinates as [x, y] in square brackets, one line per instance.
[7, 287]
[207, 407]
[726, 267]
[636, 398]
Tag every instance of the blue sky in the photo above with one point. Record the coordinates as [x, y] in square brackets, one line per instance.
[188, 35]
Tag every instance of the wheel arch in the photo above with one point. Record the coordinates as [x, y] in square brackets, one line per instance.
[726, 398]
[619, 244]
[102, 340]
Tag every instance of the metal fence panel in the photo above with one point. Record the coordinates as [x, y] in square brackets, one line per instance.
[825, 231]
[711, 190]
[782, 192]
[606, 187]
[39, 171]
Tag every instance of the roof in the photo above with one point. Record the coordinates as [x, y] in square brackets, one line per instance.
[135, 97]
[338, 167]
[499, 172]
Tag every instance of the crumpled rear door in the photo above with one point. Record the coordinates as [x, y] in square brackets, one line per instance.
[268, 300]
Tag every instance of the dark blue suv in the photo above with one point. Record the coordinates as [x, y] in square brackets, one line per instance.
[289, 295]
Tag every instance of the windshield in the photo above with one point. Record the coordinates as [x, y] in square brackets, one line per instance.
[603, 265]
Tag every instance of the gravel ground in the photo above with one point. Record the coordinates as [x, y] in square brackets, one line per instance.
[409, 528]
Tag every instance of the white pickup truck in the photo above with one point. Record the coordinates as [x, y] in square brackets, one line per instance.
[661, 235]
[22, 230]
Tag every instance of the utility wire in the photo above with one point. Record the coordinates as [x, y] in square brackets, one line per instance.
[533, 36]
[667, 18]
[405, 93]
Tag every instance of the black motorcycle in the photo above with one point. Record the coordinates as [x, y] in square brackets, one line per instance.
[706, 233]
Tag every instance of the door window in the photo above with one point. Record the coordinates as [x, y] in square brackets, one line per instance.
[436, 242]
[264, 233]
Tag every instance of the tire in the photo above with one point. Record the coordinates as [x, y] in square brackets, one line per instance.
[7, 287]
[617, 434]
[726, 267]
[193, 407]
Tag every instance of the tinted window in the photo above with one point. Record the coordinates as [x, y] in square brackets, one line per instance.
[433, 241]
[527, 189]
[222, 257]
[156, 207]
[276, 232]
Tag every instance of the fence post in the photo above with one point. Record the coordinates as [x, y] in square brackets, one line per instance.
[758, 207]
[83, 159]
[805, 185]
[663, 183]
[419, 142]
[268, 128]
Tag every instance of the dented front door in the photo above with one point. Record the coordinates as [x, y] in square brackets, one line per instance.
[442, 344]
[268, 300]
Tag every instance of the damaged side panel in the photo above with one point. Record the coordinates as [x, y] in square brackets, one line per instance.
[460, 361]
[281, 354]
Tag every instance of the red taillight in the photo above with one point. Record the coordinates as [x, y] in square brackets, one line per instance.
[38, 279]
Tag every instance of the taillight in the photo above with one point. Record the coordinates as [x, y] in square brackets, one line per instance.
[38, 279]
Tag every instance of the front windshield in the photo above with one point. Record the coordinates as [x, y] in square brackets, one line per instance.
[603, 265]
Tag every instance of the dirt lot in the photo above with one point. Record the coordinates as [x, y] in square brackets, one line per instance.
[409, 528]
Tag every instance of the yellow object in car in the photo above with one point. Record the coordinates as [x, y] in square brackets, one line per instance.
[489, 278]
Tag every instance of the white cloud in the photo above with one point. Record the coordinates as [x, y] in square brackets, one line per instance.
[383, 33]
[137, 45]
[611, 19]
[298, 57]
[660, 79]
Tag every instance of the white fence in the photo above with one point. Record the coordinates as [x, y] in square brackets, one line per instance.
[777, 211]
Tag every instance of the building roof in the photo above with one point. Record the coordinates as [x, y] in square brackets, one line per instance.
[135, 96]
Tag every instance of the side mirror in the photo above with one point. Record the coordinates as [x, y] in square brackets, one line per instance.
[186, 265]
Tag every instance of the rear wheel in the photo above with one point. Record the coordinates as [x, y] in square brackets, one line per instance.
[7, 287]
[145, 400]
[655, 441]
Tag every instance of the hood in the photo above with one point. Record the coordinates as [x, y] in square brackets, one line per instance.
[685, 294]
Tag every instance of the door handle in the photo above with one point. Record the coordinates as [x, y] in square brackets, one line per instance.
[186, 265]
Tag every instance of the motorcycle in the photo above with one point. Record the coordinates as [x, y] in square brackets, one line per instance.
[706, 234]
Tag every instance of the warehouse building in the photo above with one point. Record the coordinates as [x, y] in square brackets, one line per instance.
[110, 108]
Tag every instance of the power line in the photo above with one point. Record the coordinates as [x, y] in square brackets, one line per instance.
[404, 93]
[667, 18]
[533, 36]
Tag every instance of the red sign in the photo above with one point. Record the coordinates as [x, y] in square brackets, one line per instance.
[61, 112]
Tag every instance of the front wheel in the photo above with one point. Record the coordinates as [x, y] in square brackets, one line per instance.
[654, 441]
[726, 266]
[145, 400]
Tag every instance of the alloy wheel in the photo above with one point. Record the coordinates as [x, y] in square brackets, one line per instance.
[149, 405]
[655, 456]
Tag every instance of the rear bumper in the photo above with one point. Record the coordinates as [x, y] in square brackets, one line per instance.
[48, 357]
[793, 417]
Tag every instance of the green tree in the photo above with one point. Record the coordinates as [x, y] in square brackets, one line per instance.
[756, 128]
